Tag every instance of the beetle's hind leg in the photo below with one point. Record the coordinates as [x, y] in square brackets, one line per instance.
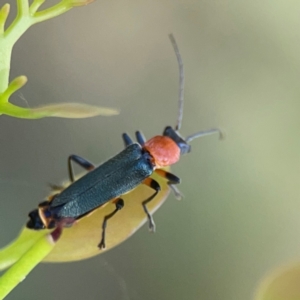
[155, 186]
[82, 162]
[119, 205]
[172, 180]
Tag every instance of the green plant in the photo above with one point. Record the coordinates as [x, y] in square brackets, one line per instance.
[28, 15]
[26, 261]
[31, 247]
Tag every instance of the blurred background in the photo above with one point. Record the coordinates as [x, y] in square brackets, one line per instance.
[240, 214]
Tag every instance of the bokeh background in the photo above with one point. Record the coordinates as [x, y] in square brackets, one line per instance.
[240, 214]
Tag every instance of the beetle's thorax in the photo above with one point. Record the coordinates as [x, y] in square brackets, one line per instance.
[163, 150]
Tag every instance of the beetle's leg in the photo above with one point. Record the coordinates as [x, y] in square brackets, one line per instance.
[140, 138]
[155, 186]
[172, 180]
[81, 162]
[56, 187]
[178, 195]
[119, 204]
[127, 139]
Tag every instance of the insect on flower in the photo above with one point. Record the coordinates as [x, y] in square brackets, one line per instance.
[119, 175]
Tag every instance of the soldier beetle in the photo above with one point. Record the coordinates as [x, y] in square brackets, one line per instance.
[119, 175]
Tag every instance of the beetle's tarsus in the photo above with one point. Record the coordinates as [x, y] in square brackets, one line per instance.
[101, 245]
[152, 226]
[178, 195]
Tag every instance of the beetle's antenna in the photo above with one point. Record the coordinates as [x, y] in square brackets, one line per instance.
[181, 82]
[204, 133]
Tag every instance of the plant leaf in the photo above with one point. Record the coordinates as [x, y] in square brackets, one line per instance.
[61, 110]
[74, 110]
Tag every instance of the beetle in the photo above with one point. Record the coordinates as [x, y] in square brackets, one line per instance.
[119, 175]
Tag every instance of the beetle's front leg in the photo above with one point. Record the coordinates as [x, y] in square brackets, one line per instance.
[172, 180]
[155, 186]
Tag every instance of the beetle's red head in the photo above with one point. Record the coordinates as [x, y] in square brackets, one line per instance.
[164, 151]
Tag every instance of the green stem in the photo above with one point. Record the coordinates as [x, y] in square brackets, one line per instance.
[25, 18]
[5, 56]
[23, 7]
[23, 113]
[4, 11]
[35, 6]
[12, 252]
[52, 12]
[13, 86]
[17, 28]
[18, 272]
[20, 24]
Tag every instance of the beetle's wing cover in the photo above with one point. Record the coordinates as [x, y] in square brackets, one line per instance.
[113, 178]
